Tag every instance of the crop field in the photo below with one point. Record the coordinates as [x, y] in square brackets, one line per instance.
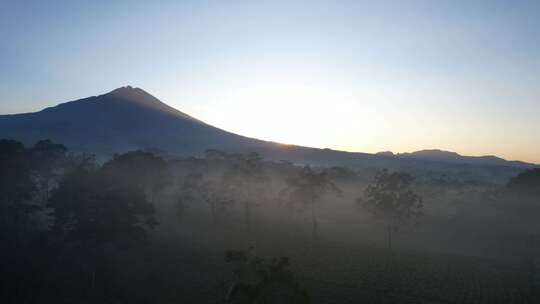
[341, 274]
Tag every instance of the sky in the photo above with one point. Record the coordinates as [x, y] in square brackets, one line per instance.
[363, 76]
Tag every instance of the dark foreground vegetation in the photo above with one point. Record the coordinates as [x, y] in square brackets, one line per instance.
[231, 228]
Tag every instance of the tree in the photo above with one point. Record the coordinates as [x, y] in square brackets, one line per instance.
[48, 158]
[95, 210]
[139, 169]
[213, 154]
[23, 172]
[244, 181]
[257, 280]
[391, 199]
[196, 189]
[341, 173]
[527, 183]
[307, 189]
[17, 190]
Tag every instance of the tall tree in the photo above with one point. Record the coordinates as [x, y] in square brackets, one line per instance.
[48, 160]
[391, 199]
[17, 188]
[197, 189]
[244, 181]
[139, 169]
[96, 210]
[19, 230]
[307, 189]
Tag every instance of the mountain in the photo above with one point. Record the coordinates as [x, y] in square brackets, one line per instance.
[453, 157]
[124, 119]
[129, 118]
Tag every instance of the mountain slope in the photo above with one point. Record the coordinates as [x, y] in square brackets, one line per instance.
[130, 118]
[126, 118]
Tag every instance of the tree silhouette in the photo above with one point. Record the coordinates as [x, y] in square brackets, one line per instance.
[139, 169]
[213, 154]
[26, 176]
[17, 188]
[48, 158]
[391, 199]
[196, 189]
[307, 189]
[96, 209]
[527, 183]
[244, 182]
[257, 280]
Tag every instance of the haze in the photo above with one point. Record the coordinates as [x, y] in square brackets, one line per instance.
[357, 76]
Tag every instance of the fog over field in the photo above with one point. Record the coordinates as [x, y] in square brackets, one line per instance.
[269, 152]
[232, 227]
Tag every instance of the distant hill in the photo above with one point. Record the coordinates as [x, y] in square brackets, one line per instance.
[453, 157]
[129, 118]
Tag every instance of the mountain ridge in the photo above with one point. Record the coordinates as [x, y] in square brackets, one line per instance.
[129, 118]
[123, 119]
[451, 156]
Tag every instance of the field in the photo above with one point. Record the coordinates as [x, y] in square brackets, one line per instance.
[346, 274]
[335, 271]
